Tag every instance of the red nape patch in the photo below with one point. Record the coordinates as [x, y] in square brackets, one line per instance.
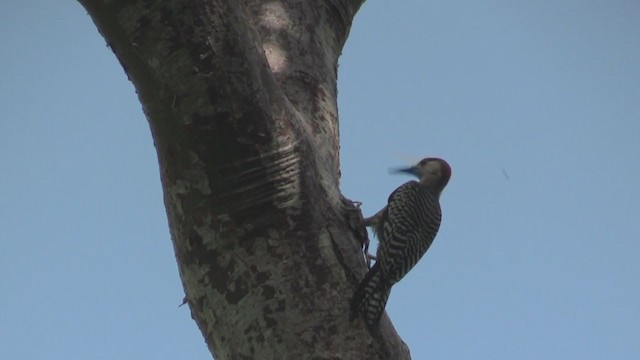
[446, 170]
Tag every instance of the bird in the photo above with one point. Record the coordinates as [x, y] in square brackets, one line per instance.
[405, 228]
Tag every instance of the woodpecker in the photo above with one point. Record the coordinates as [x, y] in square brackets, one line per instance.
[405, 229]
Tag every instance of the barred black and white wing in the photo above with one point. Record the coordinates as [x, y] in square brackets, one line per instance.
[407, 229]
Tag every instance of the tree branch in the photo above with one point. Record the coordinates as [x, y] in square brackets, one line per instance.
[242, 103]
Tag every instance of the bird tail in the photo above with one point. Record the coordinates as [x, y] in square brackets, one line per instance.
[371, 297]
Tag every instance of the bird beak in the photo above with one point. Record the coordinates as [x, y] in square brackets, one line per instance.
[410, 170]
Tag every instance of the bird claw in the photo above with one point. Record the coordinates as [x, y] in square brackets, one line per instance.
[369, 257]
[349, 204]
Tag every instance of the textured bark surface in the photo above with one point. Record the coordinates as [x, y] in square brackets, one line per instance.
[242, 103]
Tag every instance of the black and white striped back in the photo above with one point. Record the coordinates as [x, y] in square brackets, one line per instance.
[407, 229]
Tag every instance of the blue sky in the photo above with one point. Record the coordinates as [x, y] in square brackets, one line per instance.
[536, 106]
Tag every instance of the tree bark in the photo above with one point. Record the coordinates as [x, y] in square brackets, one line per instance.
[242, 104]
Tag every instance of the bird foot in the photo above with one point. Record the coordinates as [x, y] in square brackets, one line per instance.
[369, 257]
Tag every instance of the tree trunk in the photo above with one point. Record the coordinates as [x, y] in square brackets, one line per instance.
[241, 100]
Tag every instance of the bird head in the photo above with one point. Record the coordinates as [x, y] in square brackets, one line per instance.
[434, 173]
